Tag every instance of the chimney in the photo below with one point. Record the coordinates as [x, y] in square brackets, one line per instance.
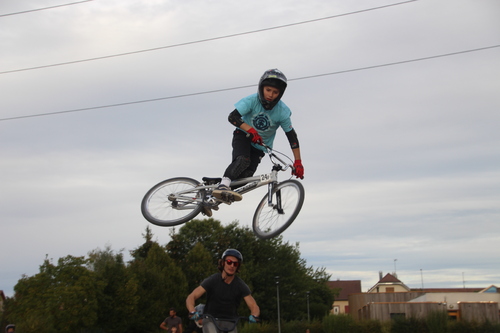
[380, 275]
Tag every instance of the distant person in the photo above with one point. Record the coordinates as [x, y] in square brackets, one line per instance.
[11, 328]
[172, 323]
[224, 293]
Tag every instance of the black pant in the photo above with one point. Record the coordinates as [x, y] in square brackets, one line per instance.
[246, 158]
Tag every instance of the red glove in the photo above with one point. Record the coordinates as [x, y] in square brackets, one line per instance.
[255, 137]
[298, 169]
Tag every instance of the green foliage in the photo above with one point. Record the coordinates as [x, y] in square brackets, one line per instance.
[437, 322]
[473, 327]
[102, 293]
[296, 326]
[263, 260]
[408, 325]
[162, 285]
[346, 324]
[118, 299]
[197, 265]
[61, 298]
[338, 324]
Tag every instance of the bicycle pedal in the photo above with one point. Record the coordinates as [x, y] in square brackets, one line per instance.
[227, 196]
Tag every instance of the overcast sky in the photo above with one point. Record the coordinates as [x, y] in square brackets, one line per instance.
[400, 141]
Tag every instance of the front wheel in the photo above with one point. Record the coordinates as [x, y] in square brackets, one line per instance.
[172, 202]
[271, 219]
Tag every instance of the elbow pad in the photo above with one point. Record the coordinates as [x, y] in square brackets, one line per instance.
[235, 118]
[292, 138]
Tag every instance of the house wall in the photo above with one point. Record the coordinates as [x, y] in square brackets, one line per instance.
[452, 299]
[466, 306]
[358, 301]
[480, 312]
[341, 306]
[386, 311]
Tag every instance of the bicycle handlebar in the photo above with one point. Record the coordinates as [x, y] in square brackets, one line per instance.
[272, 154]
[214, 320]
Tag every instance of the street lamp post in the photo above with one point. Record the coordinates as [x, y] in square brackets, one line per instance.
[278, 301]
[308, 316]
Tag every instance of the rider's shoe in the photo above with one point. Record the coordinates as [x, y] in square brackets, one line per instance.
[224, 193]
[206, 211]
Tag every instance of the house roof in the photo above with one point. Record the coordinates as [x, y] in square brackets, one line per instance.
[448, 290]
[346, 288]
[388, 279]
[490, 289]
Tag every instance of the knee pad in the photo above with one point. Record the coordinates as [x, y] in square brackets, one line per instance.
[240, 164]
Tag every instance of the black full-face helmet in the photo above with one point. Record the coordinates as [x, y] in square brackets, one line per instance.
[274, 78]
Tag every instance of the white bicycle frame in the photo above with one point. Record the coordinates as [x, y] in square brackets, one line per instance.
[242, 185]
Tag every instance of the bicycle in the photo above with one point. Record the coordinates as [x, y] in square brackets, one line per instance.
[224, 321]
[178, 200]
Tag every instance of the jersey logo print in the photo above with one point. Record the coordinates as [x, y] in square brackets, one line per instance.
[261, 122]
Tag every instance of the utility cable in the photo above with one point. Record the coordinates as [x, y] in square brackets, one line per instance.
[204, 40]
[44, 8]
[251, 85]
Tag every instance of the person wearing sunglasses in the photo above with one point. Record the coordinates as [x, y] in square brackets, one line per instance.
[224, 292]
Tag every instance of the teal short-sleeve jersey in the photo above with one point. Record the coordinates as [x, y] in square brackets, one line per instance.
[266, 122]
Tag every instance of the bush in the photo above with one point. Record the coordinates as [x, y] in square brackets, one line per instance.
[338, 324]
[437, 322]
[473, 327]
[408, 325]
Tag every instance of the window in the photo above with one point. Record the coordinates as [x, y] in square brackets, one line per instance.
[396, 316]
[389, 289]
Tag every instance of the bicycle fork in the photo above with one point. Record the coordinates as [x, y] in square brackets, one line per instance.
[278, 207]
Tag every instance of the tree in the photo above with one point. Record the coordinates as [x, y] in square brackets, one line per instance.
[60, 298]
[117, 300]
[263, 261]
[161, 284]
[197, 265]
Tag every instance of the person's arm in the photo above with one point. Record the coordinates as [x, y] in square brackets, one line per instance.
[180, 328]
[191, 299]
[235, 119]
[296, 153]
[252, 305]
[294, 144]
[164, 326]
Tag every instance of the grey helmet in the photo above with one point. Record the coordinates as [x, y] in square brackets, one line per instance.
[234, 253]
[274, 78]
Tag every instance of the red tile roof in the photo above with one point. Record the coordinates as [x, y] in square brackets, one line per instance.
[346, 287]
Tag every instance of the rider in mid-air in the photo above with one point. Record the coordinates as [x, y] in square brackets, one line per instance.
[257, 117]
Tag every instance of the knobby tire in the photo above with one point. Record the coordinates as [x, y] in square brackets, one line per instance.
[159, 210]
[268, 222]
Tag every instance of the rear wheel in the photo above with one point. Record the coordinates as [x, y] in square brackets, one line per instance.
[173, 201]
[287, 200]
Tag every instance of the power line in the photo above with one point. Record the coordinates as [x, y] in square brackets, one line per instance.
[251, 85]
[44, 8]
[397, 62]
[204, 40]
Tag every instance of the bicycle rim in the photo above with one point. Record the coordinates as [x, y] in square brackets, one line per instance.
[158, 209]
[270, 221]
